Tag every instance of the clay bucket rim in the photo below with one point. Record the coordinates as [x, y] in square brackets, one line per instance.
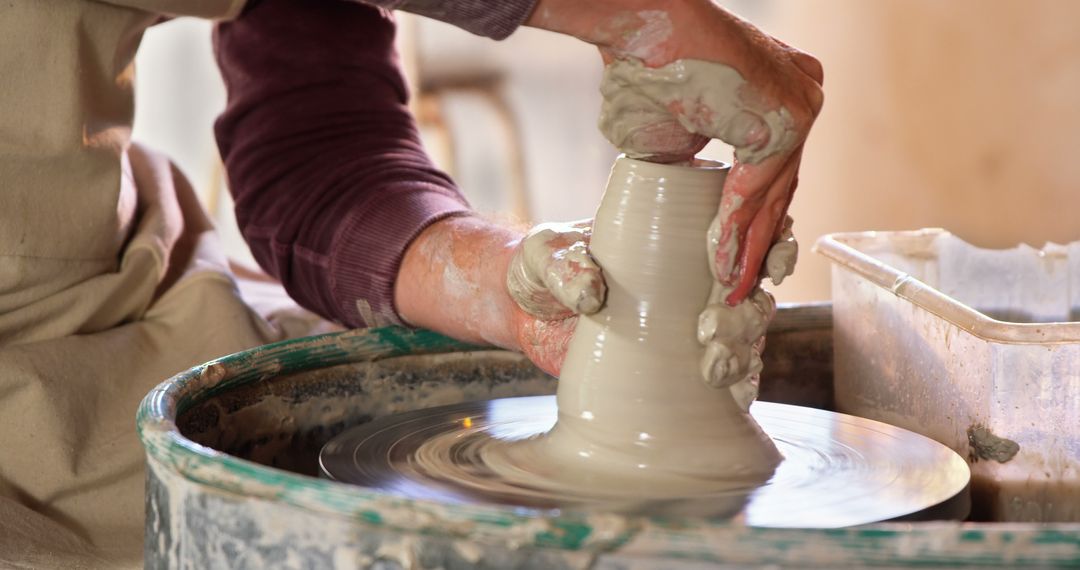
[208, 467]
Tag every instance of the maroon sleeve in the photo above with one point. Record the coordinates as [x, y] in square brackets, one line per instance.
[330, 180]
[495, 19]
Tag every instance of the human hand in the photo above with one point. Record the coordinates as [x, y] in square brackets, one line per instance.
[552, 275]
[552, 279]
[482, 282]
[681, 72]
[733, 337]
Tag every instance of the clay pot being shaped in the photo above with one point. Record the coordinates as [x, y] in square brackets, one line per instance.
[635, 417]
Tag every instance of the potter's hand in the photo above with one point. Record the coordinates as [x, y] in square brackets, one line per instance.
[733, 337]
[780, 261]
[686, 94]
[457, 276]
[552, 275]
[552, 278]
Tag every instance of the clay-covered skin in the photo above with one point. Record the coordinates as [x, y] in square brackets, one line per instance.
[734, 335]
[453, 280]
[705, 99]
[780, 262]
[668, 113]
[552, 274]
[754, 91]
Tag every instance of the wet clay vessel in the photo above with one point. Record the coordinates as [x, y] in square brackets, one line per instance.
[634, 414]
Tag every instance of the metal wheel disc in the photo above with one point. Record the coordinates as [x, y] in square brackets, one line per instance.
[839, 470]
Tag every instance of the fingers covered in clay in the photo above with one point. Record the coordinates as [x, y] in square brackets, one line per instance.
[668, 113]
[695, 72]
[784, 253]
[757, 219]
[637, 116]
[552, 275]
[733, 336]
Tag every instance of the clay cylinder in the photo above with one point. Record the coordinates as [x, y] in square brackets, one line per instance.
[632, 403]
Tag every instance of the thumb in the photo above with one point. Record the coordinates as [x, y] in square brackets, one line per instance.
[552, 275]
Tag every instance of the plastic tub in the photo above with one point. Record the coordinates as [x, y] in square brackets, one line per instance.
[976, 348]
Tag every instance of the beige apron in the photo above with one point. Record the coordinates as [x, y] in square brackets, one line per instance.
[110, 280]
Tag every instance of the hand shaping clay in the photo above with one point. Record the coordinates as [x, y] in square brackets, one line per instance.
[734, 336]
[634, 414]
[780, 262]
[552, 274]
[706, 98]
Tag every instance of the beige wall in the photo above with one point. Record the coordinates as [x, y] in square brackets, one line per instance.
[963, 114]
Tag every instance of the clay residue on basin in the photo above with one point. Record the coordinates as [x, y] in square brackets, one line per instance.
[986, 445]
[284, 421]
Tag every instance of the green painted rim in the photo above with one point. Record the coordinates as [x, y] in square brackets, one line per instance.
[895, 543]
[156, 425]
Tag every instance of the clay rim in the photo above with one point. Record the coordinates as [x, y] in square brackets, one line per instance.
[699, 164]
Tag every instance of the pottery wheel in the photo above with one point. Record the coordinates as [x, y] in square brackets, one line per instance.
[838, 470]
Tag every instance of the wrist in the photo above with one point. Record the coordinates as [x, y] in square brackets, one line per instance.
[501, 324]
[453, 280]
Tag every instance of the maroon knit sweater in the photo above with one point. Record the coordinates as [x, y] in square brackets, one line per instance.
[330, 180]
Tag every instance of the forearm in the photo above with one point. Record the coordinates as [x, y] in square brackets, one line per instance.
[453, 280]
[330, 179]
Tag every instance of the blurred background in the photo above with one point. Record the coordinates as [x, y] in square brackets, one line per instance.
[962, 114]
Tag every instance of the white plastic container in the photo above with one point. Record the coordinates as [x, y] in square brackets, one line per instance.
[978, 349]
